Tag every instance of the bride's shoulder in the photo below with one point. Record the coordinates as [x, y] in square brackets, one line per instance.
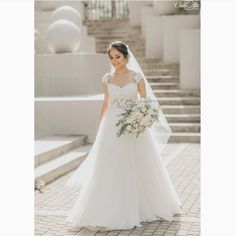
[106, 76]
[137, 76]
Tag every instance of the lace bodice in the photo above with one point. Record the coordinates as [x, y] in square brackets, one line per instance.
[121, 94]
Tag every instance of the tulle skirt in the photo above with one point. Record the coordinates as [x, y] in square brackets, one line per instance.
[122, 182]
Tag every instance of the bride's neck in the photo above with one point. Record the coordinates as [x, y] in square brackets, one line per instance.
[122, 71]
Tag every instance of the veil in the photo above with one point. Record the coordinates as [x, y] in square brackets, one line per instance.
[161, 129]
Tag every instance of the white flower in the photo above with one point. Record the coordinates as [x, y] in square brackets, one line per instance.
[129, 128]
[144, 121]
[129, 121]
[140, 115]
[40, 185]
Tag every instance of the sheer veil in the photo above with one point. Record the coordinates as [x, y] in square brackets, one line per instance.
[161, 129]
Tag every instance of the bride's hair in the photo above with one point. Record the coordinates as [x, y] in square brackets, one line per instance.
[119, 46]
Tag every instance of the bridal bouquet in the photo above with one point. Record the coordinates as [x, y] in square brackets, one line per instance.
[139, 115]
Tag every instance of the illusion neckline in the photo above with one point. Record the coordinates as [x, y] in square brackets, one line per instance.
[122, 86]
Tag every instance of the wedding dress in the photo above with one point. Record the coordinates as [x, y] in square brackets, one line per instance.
[123, 181]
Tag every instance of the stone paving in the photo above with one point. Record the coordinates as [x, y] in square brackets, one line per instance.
[184, 170]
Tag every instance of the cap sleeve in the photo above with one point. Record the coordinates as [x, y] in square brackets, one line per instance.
[138, 77]
[105, 78]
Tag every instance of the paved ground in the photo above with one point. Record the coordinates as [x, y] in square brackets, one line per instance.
[184, 167]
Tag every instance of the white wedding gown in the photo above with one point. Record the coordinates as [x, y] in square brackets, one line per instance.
[123, 181]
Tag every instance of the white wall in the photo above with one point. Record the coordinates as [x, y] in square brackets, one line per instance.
[69, 74]
[190, 59]
[154, 37]
[145, 12]
[67, 116]
[135, 11]
[42, 17]
[171, 34]
[162, 35]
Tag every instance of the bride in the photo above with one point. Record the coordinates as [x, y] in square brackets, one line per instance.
[124, 181]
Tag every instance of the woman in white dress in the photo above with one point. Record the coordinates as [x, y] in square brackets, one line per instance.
[123, 181]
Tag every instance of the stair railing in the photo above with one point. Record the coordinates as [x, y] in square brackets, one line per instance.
[113, 9]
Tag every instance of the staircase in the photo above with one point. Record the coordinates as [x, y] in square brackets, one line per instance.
[181, 107]
[58, 155]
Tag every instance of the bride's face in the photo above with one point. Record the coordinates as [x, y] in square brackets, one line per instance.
[117, 59]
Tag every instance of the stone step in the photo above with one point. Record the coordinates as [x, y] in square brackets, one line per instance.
[148, 60]
[185, 127]
[110, 26]
[156, 85]
[148, 66]
[119, 23]
[114, 36]
[49, 148]
[133, 46]
[109, 23]
[104, 21]
[184, 138]
[126, 35]
[183, 118]
[177, 92]
[139, 53]
[165, 66]
[136, 51]
[100, 44]
[119, 26]
[163, 78]
[128, 40]
[101, 39]
[160, 71]
[62, 165]
[104, 51]
[181, 109]
[116, 32]
[179, 101]
[125, 38]
[162, 65]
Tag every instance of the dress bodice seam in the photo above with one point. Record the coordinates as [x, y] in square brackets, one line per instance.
[123, 85]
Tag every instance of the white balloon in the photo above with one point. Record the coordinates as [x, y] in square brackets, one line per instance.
[164, 7]
[67, 13]
[63, 36]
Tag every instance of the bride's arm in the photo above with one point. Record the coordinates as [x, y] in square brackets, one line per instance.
[142, 88]
[105, 105]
